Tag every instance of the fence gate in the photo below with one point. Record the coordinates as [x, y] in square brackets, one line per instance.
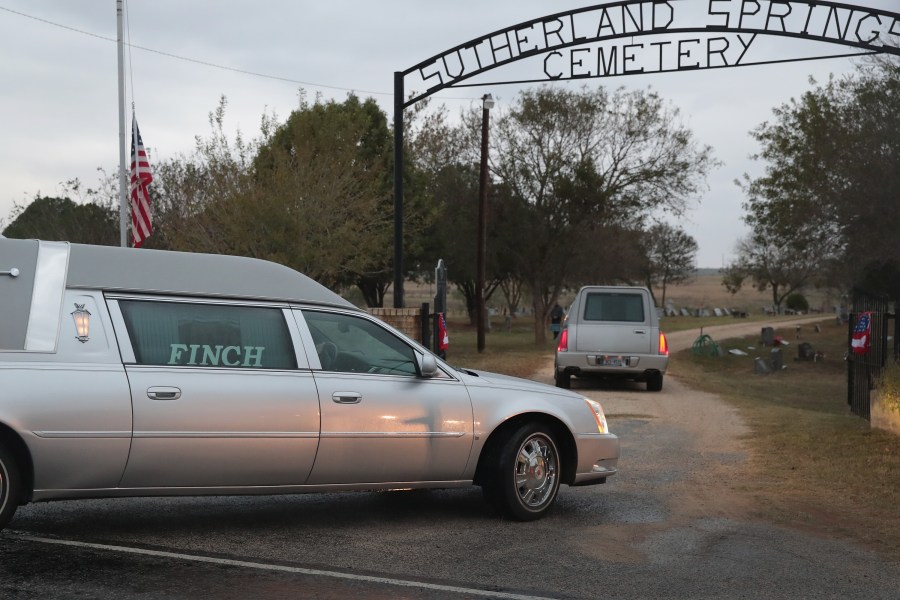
[863, 370]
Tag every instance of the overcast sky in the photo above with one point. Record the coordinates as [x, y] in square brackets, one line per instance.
[59, 98]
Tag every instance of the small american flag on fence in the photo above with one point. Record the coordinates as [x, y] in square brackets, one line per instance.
[141, 178]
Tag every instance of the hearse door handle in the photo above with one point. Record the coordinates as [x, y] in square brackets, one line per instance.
[163, 393]
[640, 331]
[346, 397]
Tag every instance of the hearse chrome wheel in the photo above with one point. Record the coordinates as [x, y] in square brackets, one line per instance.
[523, 477]
[537, 467]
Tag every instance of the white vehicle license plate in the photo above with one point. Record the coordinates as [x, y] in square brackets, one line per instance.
[610, 361]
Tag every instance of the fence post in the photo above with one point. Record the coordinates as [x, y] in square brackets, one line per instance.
[423, 323]
[440, 305]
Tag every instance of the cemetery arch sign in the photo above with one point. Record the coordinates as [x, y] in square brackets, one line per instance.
[632, 37]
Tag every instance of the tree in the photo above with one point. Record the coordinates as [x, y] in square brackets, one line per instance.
[62, 219]
[326, 173]
[589, 165]
[833, 174]
[670, 254]
[780, 265]
[446, 176]
[199, 201]
[313, 193]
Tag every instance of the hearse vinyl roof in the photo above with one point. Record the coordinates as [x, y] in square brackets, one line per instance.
[116, 269]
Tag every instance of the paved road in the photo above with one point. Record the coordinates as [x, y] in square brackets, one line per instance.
[672, 524]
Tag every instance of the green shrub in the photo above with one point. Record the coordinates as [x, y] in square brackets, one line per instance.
[797, 302]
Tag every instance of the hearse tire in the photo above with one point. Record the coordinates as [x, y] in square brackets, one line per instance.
[10, 486]
[523, 481]
[655, 382]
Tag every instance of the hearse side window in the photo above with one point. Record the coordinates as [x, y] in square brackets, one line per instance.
[351, 344]
[208, 335]
[614, 307]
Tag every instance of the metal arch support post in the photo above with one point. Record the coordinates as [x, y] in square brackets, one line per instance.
[398, 189]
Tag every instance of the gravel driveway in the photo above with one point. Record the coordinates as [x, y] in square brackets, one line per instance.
[696, 531]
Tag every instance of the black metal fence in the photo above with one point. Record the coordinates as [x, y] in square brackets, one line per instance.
[864, 369]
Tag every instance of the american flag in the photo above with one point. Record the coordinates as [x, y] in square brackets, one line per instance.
[141, 178]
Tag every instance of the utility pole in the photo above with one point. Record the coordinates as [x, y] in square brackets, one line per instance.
[487, 105]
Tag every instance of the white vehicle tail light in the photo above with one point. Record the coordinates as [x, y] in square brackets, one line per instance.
[663, 344]
[563, 341]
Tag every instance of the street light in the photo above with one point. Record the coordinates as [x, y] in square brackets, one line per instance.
[487, 103]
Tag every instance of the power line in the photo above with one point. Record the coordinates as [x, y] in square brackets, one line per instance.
[193, 60]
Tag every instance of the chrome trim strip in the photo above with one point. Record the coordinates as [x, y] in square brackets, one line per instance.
[193, 299]
[306, 340]
[47, 494]
[82, 434]
[393, 434]
[249, 434]
[45, 366]
[582, 478]
[300, 355]
[121, 332]
[47, 297]
[224, 434]
[176, 434]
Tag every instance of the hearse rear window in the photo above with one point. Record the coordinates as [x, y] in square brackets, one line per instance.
[208, 335]
[614, 307]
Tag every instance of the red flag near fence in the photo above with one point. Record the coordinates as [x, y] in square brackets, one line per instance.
[141, 178]
[443, 338]
[862, 333]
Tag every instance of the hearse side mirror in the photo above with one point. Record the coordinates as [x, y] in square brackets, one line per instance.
[428, 365]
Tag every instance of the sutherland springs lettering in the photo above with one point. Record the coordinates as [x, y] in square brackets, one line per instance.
[216, 356]
[543, 35]
[558, 37]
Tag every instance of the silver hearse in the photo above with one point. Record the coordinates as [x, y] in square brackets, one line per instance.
[147, 373]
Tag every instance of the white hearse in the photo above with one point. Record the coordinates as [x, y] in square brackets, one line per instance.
[130, 372]
[613, 332]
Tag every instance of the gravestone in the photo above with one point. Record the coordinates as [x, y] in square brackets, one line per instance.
[777, 360]
[760, 367]
[767, 336]
[805, 351]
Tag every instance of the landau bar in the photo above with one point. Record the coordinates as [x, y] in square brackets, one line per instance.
[551, 35]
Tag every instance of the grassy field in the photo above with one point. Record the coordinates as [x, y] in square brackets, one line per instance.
[513, 352]
[707, 291]
[815, 465]
[702, 291]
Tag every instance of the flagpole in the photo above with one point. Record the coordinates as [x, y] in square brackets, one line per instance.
[123, 196]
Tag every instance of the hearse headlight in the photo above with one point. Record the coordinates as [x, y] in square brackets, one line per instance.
[597, 410]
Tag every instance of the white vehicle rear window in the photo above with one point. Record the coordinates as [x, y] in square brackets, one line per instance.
[614, 307]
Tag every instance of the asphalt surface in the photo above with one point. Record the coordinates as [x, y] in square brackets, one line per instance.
[671, 524]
